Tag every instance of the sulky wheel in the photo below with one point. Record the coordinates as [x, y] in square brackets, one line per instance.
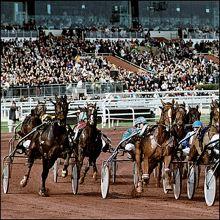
[114, 167]
[163, 180]
[210, 187]
[135, 176]
[105, 180]
[75, 179]
[177, 182]
[55, 170]
[191, 181]
[5, 177]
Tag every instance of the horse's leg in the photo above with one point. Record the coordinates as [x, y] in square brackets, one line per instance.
[47, 164]
[80, 159]
[65, 166]
[145, 175]
[95, 170]
[30, 163]
[159, 174]
[86, 169]
[139, 168]
[167, 161]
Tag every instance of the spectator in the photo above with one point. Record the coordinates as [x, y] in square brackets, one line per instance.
[12, 117]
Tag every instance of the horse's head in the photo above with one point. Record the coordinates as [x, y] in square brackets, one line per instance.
[180, 116]
[65, 105]
[61, 108]
[92, 114]
[193, 115]
[168, 114]
[40, 109]
[214, 114]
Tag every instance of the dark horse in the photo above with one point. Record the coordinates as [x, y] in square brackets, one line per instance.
[48, 143]
[156, 145]
[89, 145]
[192, 115]
[33, 120]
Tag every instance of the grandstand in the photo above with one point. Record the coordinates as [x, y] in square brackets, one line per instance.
[89, 49]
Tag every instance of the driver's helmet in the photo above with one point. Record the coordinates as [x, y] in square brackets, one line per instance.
[140, 120]
[197, 124]
[82, 116]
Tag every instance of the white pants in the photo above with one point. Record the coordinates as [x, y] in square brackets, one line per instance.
[130, 147]
[186, 151]
[11, 125]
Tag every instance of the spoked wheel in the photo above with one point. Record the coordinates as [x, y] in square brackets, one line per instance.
[163, 180]
[114, 167]
[5, 177]
[191, 181]
[177, 184]
[55, 170]
[105, 180]
[210, 187]
[75, 179]
[135, 176]
[10, 147]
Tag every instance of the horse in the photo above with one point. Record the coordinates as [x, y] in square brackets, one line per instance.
[192, 115]
[155, 146]
[33, 120]
[89, 143]
[48, 143]
[180, 121]
[73, 136]
[204, 136]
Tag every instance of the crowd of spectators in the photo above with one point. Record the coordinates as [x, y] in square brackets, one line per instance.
[53, 60]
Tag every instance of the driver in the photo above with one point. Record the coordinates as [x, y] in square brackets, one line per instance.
[187, 141]
[140, 126]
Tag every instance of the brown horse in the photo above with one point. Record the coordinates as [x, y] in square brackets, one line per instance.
[180, 121]
[203, 136]
[48, 143]
[33, 120]
[89, 143]
[156, 146]
[73, 141]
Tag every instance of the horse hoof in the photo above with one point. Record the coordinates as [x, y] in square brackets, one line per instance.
[139, 188]
[168, 187]
[64, 173]
[23, 182]
[81, 180]
[135, 194]
[43, 193]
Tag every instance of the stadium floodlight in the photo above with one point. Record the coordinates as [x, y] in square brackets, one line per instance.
[207, 10]
[83, 6]
[178, 9]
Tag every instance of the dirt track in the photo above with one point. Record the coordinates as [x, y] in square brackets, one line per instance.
[25, 202]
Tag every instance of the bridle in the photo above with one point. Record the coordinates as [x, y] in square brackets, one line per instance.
[180, 121]
[164, 118]
[91, 111]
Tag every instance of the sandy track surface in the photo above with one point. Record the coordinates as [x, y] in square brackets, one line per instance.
[88, 203]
